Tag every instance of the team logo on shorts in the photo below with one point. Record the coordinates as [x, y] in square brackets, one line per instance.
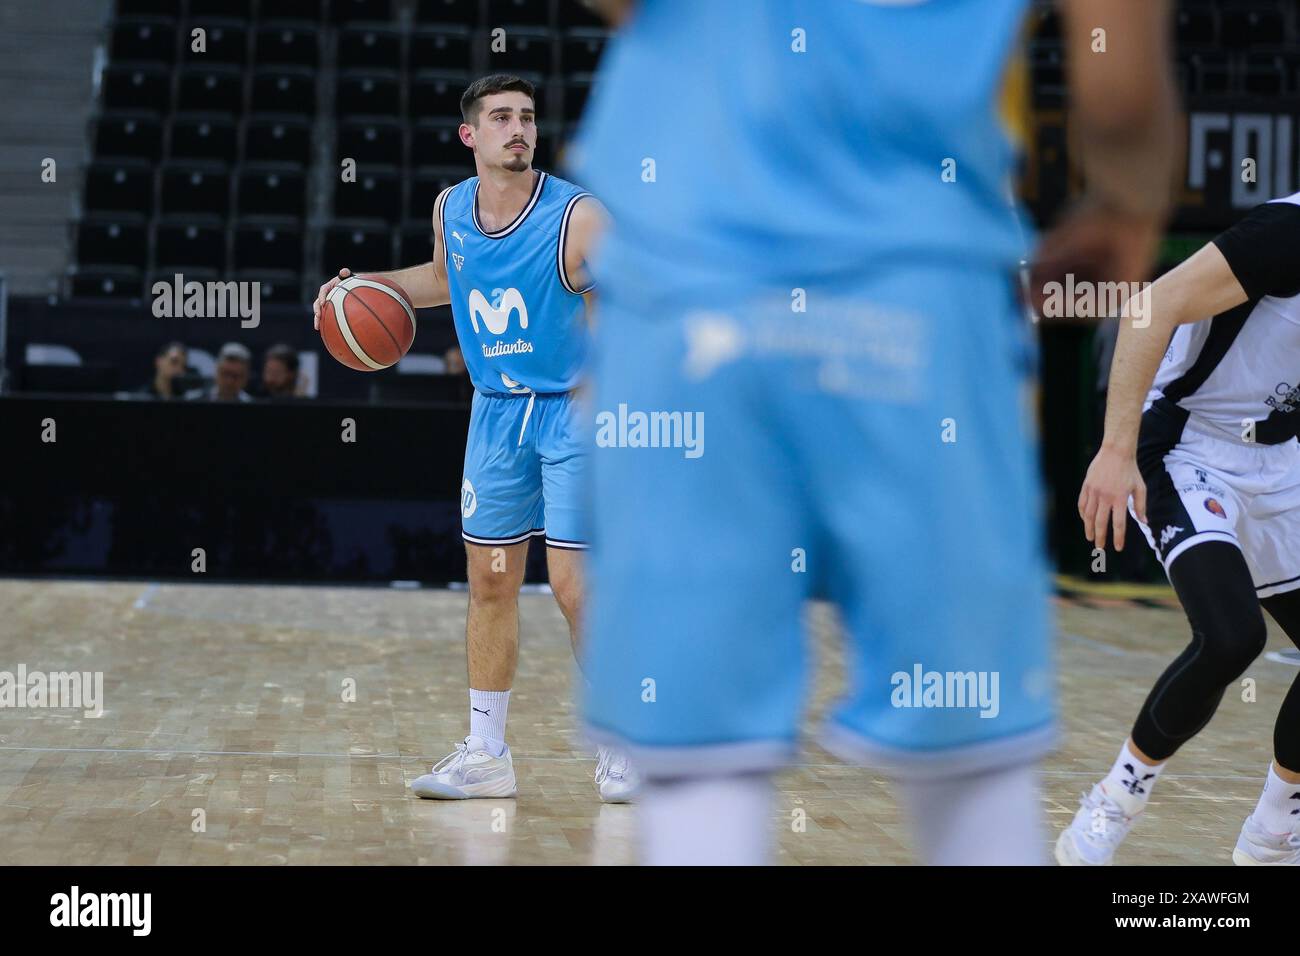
[468, 500]
[1213, 507]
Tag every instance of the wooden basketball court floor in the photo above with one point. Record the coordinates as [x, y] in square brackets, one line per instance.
[226, 737]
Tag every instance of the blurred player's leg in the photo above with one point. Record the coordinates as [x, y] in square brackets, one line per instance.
[994, 820]
[695, 654]
[707, 821]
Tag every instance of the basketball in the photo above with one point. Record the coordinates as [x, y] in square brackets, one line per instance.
[368, 322]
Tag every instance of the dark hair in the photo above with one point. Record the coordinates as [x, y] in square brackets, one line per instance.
[172, 345]
[285, 354]
[486, 86]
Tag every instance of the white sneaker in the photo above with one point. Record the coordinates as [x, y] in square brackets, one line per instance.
[616, 781]
[1257, 847]
[466, 773]
[1096, 831]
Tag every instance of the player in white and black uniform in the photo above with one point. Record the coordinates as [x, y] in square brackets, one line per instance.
[1211, 470]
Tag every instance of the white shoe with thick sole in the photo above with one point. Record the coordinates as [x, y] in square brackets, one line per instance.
[465, 774]
[1257, 847]
[1096, 831]
[616, 781]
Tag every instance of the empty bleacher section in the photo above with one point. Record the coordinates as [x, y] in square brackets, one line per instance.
[228, 157]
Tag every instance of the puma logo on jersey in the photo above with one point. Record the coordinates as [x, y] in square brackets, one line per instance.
[497, 318]
[1170, 532]
[459, 238]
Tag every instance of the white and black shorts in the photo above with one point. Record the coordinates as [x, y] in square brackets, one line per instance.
[1201, 488]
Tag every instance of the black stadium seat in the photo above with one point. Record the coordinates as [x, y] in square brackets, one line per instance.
[277, 139]
[143, 40]
[1253, 24]
[447, 11]
[576, 13]
[203, 136]
[371, 141]
[146, 8]
[372, 46]
[284, 90]
[444, 47]
[525, 49]
[274, 287]
[581, 50]
[211, 89]
[120, 185]
[129, 134]
[106, 283]
[195, 187]
[1265, 74]
[286, 43]
[436, 93]
[225, 41]
[428, 181]
[576, 91]
[137, 87]
[1196, 24]
[417, 242]
[1210, 72]
[522, 12]
[360, 247]
[268, 243]
[436, 142]
[350, 11]
[190, 241]
[272, 189]
[235, 9]
[305, 10]
[116, 240]
[376, 194]
[368, 93]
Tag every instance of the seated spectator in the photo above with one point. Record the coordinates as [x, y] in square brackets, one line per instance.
[168, 366]
[233, 363]
[279, 373]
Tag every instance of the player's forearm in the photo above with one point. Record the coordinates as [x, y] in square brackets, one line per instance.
[1122, 100]
[422, 283]
[1137, 357]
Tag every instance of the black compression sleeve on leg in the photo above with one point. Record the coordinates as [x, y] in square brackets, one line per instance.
[1285, 609]
[1228, 632]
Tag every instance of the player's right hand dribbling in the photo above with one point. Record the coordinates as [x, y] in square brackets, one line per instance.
[323, 294]
[1112, 478]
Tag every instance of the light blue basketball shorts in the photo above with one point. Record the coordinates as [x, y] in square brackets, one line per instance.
[525, 460]
[876, 450]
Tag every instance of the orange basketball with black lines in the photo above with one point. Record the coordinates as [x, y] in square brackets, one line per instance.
[368, 322]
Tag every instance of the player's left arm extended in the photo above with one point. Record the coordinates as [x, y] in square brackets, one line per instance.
[586, 226]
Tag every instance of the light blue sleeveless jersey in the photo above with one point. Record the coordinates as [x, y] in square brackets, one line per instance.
[520, 321]
[750, 144]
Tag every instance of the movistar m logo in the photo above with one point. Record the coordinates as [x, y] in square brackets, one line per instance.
[496, 315]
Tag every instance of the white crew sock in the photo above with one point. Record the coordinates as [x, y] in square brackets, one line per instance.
[1278, 810]
[713, 821]
[487, 718]
[985, 819]
[1130, 781]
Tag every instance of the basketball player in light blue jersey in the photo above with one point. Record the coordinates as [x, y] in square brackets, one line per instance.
[811, 372]
[509, 251]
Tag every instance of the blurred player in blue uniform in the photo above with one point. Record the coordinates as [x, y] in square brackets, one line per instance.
[812, 376]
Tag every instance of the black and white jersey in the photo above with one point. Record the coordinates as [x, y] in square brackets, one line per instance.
[1237, 375]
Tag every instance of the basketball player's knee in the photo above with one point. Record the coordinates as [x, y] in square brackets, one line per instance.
[488, 587]
[568, 594]
[1232, 645]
